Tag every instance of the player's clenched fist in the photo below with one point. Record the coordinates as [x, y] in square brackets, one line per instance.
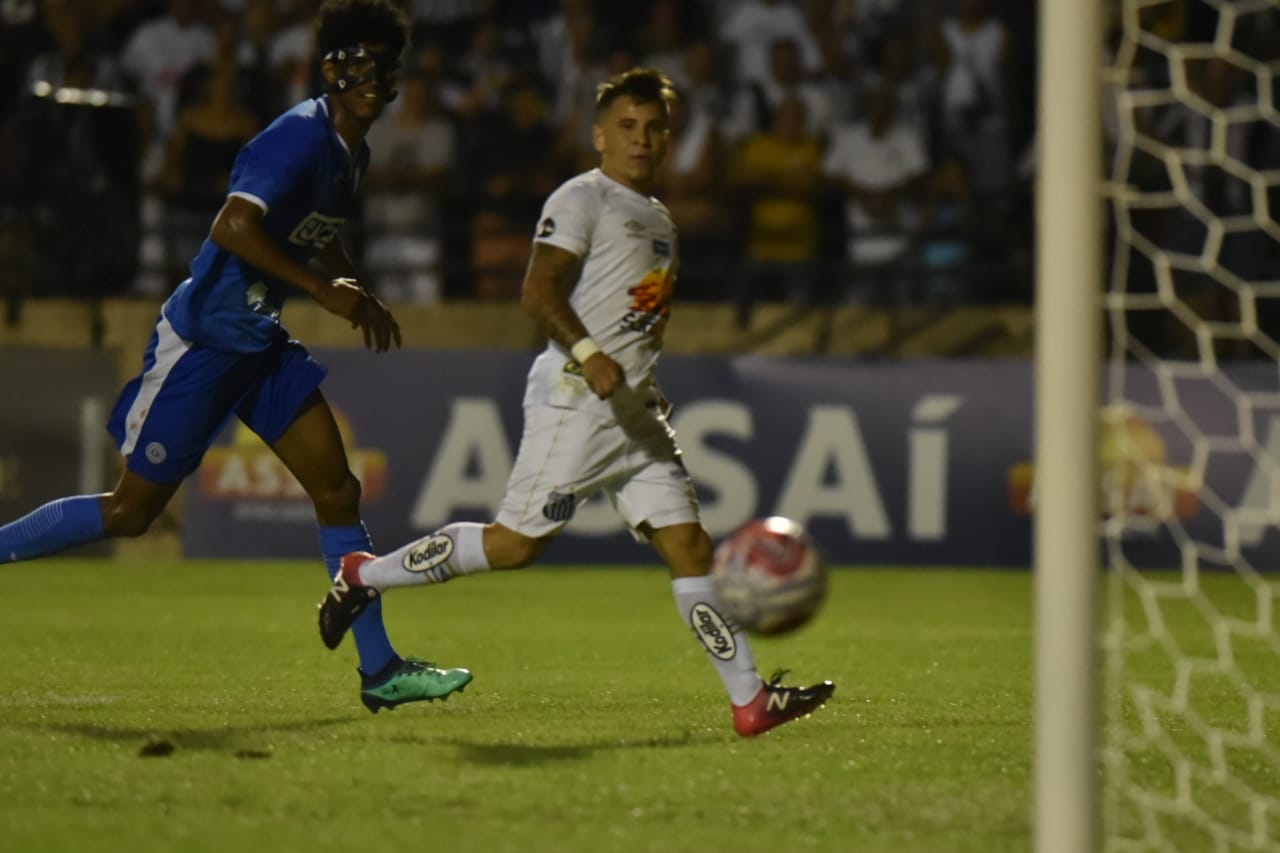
[603, 375]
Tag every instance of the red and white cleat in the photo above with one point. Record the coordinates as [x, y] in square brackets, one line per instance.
[775, 705]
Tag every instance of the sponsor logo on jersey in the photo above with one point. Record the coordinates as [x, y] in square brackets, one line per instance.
[316, 230]
[560, 506]
[662, 248]
[713, 631]
[547, 227]
[428, 554]
[650, 302]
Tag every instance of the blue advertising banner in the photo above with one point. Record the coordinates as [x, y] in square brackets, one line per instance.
[918, 463]
[885, 463]
[54, 405]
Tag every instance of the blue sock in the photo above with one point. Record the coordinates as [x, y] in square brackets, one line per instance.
[372, 643]
[52, 528]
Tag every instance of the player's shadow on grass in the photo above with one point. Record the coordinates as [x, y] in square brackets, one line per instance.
[232, 739]
[533, 755]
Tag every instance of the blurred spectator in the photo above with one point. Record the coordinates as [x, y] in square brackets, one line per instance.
[198, 161]
[691, 184]
[484, 71]
[757, 100]
[974, 90]
[697, 79]
[23, 36]
[510, 167]
[69, 28]
[779, 173]
[413, 154]
[450, 21]
[915, 83]
[838, 78]
[157, 56]
[880, 164]
[552, 42]
[751, 28]
[661, 40]
[574, 111]
[237, 56]
[946, 248]
[289, 58]
[77, 181]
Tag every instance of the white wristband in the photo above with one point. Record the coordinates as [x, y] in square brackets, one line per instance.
[584, 349]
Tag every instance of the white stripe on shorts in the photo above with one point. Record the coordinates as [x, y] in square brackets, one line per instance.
[169, 348]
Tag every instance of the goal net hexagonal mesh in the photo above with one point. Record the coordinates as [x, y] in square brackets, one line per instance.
[1191, 427]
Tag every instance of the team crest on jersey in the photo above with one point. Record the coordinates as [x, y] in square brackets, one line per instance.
[316, 230]
[560, 506]
[662, 248]
[547, 227]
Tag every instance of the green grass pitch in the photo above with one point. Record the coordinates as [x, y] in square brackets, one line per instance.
[595, 722]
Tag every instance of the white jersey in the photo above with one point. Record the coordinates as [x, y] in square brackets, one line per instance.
[627, 245]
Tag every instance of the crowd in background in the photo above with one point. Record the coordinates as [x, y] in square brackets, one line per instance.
[821, 150]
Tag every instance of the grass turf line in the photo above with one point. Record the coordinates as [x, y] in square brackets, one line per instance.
[594, 723]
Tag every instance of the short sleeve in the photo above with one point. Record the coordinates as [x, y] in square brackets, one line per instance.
[569, 218]
[269, 167]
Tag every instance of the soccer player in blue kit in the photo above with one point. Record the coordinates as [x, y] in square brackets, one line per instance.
[219, 349]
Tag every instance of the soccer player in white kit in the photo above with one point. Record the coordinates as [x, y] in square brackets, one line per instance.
[600, 283]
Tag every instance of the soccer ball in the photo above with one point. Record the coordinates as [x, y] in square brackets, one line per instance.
[770, 576]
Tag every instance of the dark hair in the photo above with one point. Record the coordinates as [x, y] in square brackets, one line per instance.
[346, 23]
[642, 85]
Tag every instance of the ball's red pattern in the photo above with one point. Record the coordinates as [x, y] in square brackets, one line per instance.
[770, 575]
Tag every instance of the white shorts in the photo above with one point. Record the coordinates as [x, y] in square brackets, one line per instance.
[566, 455]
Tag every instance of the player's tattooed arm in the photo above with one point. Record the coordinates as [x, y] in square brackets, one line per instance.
[550, 279]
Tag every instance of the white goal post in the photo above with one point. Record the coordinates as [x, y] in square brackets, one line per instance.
[1068, 363]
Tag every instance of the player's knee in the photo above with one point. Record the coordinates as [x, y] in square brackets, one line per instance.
[687, 548]
[121, 518]
[511, 550]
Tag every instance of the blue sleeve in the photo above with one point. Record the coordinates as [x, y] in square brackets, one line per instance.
[270, 166]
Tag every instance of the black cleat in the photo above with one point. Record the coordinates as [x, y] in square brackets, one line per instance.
[345, 601]
[775, 705]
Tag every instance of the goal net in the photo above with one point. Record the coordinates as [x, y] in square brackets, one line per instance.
[1190, 437]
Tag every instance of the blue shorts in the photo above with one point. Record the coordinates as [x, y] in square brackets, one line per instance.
[166, 418]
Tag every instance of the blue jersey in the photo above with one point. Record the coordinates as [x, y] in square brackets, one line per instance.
[300, 172]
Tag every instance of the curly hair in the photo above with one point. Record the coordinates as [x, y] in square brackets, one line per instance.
[643, 85]
[344, 23]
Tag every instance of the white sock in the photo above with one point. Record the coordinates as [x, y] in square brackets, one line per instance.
[727, 646]
[455, 549]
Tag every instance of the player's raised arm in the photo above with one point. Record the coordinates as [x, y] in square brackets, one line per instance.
[549, 280]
